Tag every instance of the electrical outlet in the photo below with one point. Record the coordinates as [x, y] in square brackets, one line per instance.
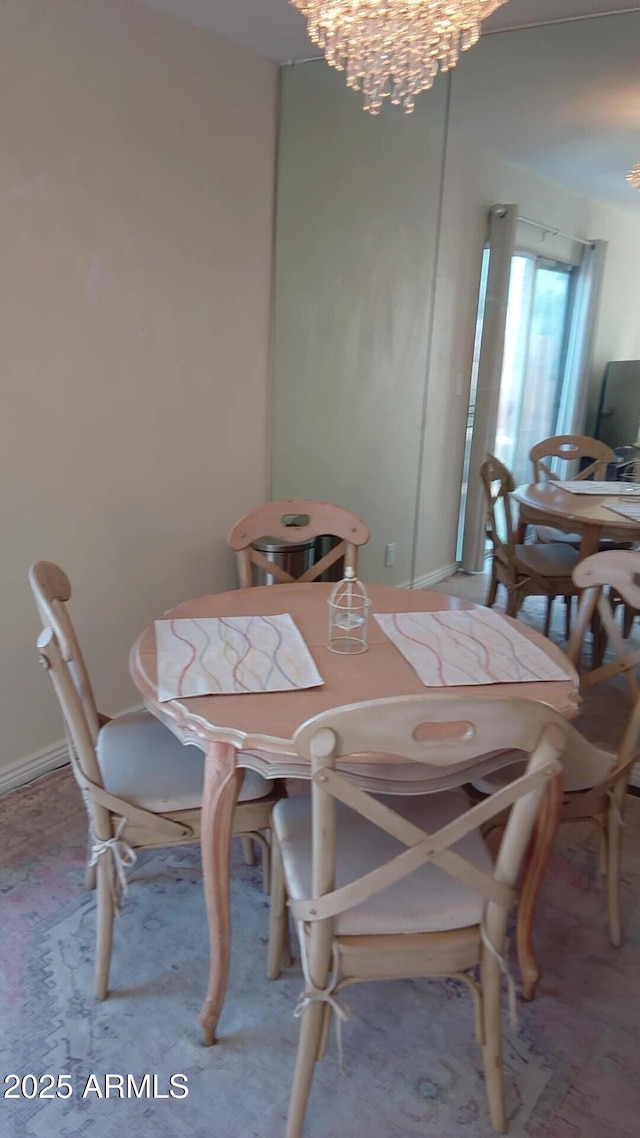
[390, 554]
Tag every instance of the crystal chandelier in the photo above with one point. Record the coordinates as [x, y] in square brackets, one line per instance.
[394, 48]
[633, 177]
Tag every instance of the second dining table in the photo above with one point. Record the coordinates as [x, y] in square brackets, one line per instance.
[255, 730]
[582, 510]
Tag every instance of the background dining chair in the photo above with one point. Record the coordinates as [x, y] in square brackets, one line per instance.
[595, 786]
[141, 787]
[274, 520]
[565, 452]
[524, 570]
[404, 887]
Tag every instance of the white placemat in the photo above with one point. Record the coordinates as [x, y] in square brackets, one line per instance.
[456, 648]
[627, 509]
[225, 655]
[601, 489]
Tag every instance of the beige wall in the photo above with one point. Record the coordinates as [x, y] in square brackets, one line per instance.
[358, 201]
[136, 177]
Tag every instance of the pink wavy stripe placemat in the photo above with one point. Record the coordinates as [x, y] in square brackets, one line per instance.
[451, 649]
[221, 656]
[615, 489]
[629, 510]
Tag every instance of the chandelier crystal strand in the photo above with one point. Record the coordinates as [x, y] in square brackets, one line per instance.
[394, 48]
[633, 177]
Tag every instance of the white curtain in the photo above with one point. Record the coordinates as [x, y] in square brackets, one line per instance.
[572, 412]
[502, 230]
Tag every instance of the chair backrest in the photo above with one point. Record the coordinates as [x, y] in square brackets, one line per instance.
[52, 591]
[617, 570]
[274, 520]
[498, 485]
[444, 733]
[570, 448]
[79, 733]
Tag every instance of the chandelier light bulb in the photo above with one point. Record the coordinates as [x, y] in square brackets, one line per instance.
[394, 48]
[633, 177]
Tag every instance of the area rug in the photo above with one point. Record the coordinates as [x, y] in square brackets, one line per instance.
[412, 1066]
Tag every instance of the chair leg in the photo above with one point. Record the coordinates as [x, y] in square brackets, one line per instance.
[104, 926]
[308, 1048]
[90, 871]
[257, 837]
[324, 1035]
[278, 923]
[547, 618]
[628, 617]
[513, 602]
[567, 617]
[614, 842]
[493, 590]
[248, 851]
[492, 1046]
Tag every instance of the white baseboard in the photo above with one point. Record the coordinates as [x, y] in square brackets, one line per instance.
[33, 766]
[434, 577]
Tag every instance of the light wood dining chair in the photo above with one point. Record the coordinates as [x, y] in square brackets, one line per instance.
[523, 570]
[405, 887]
[608, 579]
[595, 785]
[141, 787]
[567, 451]
[274, 520]
[570, 449]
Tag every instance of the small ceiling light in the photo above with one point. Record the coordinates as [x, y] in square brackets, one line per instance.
[633, 177]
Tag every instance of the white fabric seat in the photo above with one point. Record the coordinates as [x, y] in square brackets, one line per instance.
[143, 763]
[581, 772]
[550, 534]
[548, 560]
[425, 901]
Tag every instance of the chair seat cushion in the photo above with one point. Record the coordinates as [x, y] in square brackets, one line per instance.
[582, 771]
[427, 900]
[557, 560]
[549, 534]
[142, 762]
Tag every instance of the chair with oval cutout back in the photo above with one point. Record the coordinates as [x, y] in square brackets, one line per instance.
[404, 887]
[568, 449]
[141, 787]
[311, 520]
[274, 520]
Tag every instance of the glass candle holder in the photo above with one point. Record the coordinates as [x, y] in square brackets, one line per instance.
[348, 616]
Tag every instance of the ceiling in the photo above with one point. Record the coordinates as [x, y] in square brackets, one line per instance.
[561, 101]
[275, 29]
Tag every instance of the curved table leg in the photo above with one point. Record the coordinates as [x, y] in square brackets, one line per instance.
[221, 784]
[538, 859]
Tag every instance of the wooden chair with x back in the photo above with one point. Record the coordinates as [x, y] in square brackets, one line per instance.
[523, 570]
[296, 520]
[141, 787]
[368, 909]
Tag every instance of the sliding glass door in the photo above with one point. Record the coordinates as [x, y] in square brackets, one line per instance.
[534, 355]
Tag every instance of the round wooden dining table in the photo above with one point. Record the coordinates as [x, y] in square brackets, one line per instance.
[546, 503]
[230, 728]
